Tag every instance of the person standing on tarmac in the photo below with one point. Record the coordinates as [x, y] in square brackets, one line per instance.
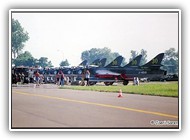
[61, 78]
[87, 77]
[37, 75]
[83, 79]
[57, 79]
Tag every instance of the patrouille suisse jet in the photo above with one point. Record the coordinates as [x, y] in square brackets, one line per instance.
[109, 73]
[114, 72]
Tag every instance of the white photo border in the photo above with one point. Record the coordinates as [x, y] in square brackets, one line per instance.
[96, 11]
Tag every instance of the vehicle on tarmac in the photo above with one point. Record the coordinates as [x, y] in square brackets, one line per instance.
[170, 77]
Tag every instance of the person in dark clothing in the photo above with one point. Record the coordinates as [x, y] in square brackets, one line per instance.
[61, 77]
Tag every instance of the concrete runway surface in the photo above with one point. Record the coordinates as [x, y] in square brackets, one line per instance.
[49, 107]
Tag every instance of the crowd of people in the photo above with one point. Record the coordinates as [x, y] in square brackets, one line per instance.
[38, 77]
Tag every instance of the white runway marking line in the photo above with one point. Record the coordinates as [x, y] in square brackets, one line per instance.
[98, 104]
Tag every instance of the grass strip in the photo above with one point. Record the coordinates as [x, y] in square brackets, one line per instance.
[168, 89]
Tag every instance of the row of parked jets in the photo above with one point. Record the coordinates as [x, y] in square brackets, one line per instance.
[114, 72]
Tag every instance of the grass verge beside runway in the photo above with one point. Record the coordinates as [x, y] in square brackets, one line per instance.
[167, 89]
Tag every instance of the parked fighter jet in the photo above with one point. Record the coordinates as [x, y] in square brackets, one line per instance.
[109, 73]
[116, 63]
[151, 70]
[93, 70]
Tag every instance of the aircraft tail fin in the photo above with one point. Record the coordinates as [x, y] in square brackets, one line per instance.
[83, 63]
[135, 62]
[102, 62]
[95, 62]
[155, 63]
[116, 62]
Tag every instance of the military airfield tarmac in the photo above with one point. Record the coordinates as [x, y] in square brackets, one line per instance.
[48, 106]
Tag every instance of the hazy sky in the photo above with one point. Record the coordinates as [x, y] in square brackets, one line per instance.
[61, 36]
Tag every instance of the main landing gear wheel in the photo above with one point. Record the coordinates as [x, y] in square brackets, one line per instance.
[92, 83]
[108, 83]
[125, 82]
